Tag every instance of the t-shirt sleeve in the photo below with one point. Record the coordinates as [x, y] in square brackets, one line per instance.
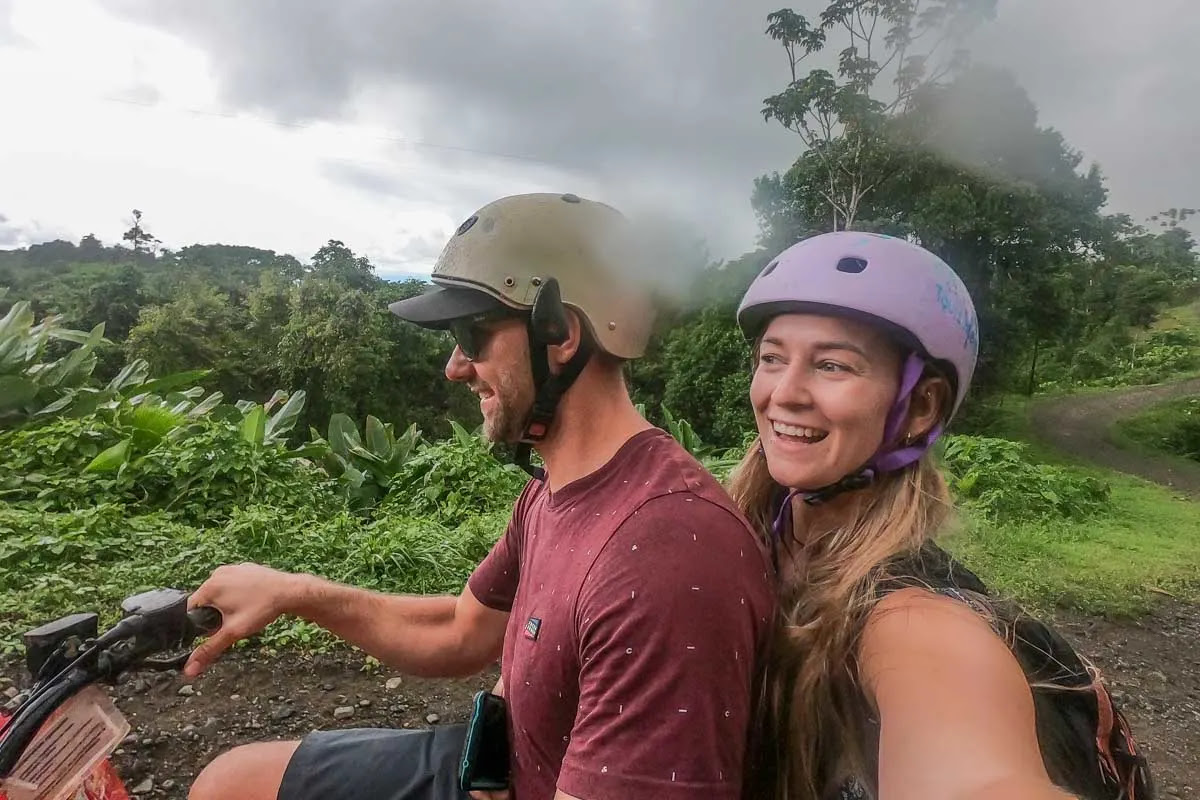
[494, 581]
[668, 624]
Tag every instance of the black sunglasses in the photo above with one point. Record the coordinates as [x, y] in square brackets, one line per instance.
[472, 333]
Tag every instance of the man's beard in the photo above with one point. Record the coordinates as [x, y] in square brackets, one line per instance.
[510, 411]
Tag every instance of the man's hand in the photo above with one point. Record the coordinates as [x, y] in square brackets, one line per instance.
[249, 596]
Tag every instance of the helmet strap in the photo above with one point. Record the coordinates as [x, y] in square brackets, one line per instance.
[548, 326]
[889, 458]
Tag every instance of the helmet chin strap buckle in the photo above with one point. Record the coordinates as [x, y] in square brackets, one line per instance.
[851, 483]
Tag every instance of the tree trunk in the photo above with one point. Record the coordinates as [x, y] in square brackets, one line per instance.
[1032, 369]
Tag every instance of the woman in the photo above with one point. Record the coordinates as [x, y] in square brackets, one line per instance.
[894, 675]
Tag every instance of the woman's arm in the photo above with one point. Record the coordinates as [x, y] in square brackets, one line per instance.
[956, 712]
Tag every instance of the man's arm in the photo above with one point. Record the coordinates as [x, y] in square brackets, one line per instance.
[441, 636]
[428, 636]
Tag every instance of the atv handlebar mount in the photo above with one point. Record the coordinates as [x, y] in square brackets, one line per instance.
[68, 654]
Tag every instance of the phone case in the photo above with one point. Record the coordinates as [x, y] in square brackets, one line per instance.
[484, 762]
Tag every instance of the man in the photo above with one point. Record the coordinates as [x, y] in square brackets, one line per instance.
[628, 599]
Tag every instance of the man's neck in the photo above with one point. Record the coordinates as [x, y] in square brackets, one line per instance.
[593, 421]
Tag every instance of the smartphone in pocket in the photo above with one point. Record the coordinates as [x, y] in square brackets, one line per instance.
[484, 763]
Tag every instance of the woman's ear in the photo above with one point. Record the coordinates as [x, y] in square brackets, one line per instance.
[927, 406]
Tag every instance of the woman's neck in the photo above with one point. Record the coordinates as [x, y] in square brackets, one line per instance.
[811, 523]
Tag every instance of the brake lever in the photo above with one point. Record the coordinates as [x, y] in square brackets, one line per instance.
[163, 664]
[200, 621]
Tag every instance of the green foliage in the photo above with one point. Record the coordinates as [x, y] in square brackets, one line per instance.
[1173, 427]
[29, 383]
[709, 381]
[199, 327]
[253, 319]
[997, 479]
[452, 480]
[1117, 359]
[153, 487]
[1119, 563]
[92, 558]
[351, 355]
[364, 469]
[202, 475]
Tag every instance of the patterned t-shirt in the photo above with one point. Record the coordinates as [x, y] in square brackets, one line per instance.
[640, 602]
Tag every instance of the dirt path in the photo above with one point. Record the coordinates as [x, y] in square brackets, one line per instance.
[1078, 425]
[1151, 663]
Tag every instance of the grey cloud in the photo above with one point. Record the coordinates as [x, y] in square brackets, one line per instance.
[10, 235]
[452, 180]
[646, 99]
[368, 179]
[412, 255]
[657, 105]
[15, 234]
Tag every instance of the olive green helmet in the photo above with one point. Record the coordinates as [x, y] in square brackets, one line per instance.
[505, 252]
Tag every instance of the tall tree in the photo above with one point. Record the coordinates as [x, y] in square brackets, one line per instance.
[200, 329]
[337, 262]
[890, 49]
[966, 170]
[352, 355]
[144, 244]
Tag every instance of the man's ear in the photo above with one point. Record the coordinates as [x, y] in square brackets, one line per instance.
[560, 354]
[928, 404]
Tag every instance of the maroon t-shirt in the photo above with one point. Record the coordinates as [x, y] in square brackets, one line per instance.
[640, 600]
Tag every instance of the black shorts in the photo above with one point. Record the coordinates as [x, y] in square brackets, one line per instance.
[376, 764]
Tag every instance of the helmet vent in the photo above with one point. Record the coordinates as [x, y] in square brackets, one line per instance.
[467, 223]
[851, 264]
[769, 268]
[570, 198]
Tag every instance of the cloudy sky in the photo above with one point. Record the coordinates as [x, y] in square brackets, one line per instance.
[283, 123]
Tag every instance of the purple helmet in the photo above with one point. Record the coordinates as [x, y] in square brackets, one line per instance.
[882, 280]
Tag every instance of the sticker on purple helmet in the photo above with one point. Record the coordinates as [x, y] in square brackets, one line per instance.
[952, 305]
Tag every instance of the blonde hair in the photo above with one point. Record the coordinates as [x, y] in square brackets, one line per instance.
[810, 728]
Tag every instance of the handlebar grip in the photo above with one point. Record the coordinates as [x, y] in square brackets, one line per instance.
[204, 619]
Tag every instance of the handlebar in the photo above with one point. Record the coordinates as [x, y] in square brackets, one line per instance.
[66, 655]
